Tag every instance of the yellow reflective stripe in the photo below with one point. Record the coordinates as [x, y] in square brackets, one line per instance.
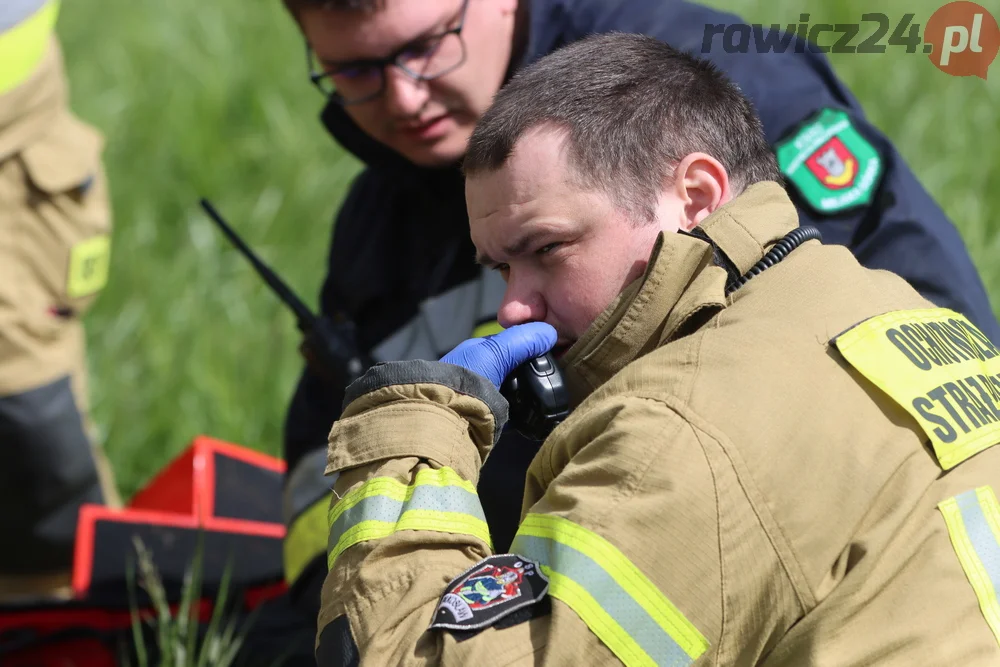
[438, 500]
[599, 621]
[604, 579]
[361, 532]
[487, 329]
[444, 522]
[380, 486]
[306, 539]
[441, 522]
[23, 46]
[386, 486]
[973, 521]
[625, 574]
[991, 509]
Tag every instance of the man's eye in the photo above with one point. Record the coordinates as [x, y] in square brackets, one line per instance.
[547, 248]
[421, 49]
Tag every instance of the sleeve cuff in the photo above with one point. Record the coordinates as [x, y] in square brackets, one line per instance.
[419, 371]
[424, 409]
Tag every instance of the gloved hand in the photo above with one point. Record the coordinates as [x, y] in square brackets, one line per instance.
[494, 357]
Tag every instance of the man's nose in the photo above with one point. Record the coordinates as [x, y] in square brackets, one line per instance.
[520, 306]
[404, 95]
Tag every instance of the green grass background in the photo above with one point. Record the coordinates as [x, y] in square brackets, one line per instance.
[211, 99]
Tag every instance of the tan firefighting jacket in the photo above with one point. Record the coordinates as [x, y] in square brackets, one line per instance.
[55, 226]
[794, 474]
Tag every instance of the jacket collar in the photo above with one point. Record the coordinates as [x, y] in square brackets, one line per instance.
[683, 286]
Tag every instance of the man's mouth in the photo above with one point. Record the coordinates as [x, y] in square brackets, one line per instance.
[431, 128]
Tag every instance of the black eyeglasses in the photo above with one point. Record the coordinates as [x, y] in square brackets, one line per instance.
[423, 59]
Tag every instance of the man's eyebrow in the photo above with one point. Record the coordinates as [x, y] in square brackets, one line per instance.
[432, 31]
[512, 250]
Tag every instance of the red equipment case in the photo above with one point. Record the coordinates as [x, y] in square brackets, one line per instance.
[226, 496]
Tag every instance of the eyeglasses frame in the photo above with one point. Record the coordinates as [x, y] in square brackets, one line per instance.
[317, 78]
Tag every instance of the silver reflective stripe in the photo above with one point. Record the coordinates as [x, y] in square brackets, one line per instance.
[982, 537]
[445, 320]
[611, 597]
[13, 12]
[425, 497]
[973, 521]
[306, 485]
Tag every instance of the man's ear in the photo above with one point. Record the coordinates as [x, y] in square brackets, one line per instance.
[701, 184]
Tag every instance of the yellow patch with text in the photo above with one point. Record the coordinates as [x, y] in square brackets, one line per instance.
[940, 368]
[89, 262]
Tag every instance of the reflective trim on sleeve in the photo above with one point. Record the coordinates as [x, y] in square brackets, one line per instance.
[13, 12]
[305, 484]
[305, 504]
[305, 540]
[973, 520]
[617, 602]
[438, 500]
[22, 47]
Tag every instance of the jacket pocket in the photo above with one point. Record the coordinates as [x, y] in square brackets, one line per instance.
[61, 224]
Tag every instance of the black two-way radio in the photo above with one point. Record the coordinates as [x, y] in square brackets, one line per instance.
[535, 391]
[537, 396]
[329, 347]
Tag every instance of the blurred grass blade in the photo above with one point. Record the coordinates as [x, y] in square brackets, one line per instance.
[180, 642]
[189, 612]
[217, 613]
[138, 636]
[151, 583]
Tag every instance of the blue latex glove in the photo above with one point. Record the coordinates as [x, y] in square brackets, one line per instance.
[494, 357]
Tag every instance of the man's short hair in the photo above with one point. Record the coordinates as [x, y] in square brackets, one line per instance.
[632, 107]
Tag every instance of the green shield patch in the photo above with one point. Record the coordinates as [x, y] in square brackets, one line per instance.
[831, 165]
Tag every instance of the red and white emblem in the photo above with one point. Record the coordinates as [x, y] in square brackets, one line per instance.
[834, 165]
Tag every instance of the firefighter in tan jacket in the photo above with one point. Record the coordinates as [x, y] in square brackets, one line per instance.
[775, 457]
[55, 227]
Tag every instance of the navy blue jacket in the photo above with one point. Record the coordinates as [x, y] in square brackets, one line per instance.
[401, 261]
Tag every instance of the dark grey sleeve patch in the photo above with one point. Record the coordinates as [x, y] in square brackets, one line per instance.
[490, 590]
[47, 471]
[336, 645]
[523, 615]
[419, 371]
